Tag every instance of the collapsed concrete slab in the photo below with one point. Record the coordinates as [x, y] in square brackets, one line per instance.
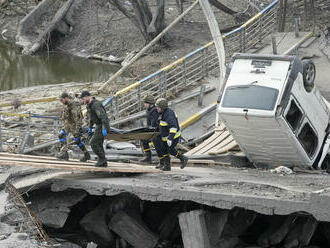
[223, 188]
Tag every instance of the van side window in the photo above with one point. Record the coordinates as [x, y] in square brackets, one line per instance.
[294, 115]
[308, 139]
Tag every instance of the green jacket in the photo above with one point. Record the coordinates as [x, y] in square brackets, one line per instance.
[72, 116]
[98, 115]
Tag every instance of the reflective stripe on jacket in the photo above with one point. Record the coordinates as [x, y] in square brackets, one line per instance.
[169, 125]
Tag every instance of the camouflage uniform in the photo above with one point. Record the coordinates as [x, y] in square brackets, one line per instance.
[98, 116]
[72, 123]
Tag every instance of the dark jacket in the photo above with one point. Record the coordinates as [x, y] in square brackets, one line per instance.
[169, 126]
[98, 115]
[152, 116]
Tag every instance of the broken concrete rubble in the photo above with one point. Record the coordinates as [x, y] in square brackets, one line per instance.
[53, 208]
[95, 225]
[130, 226]
[16, 240]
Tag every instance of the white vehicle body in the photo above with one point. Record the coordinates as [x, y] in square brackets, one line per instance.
[271, 114]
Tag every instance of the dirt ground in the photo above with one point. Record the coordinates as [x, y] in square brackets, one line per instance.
[104, 30]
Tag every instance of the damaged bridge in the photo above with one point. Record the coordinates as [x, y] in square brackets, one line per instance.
[195, 207]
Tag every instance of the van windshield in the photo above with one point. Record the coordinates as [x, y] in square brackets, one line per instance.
[250, 97]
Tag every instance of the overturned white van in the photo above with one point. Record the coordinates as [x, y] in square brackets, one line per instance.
[273, 110]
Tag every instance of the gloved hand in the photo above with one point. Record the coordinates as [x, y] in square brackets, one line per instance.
[169, 142]
[104, 132]
[90, 130]
[63, 132]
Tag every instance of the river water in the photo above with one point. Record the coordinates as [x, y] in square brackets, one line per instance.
[18, 71]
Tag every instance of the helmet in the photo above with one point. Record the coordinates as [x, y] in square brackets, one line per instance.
[84, 93]
[64, 95]
[149, 99]
[161, 103]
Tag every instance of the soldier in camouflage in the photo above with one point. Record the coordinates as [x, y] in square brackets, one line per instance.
[98, 116]
[72, 123]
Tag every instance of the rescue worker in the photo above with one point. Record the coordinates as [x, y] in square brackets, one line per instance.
[72, 123]
[152, 121]
[169, 137]
[98, 116]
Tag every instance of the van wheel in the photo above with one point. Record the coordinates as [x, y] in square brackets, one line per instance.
[309, 73]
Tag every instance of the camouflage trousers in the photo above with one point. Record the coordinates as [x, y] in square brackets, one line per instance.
[96, 142]
[76, 137]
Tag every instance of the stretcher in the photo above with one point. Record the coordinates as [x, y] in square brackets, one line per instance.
[141, 133]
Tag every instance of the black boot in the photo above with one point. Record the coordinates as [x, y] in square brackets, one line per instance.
[167, 164]
[101, 162]
[63, 156]
[86, 157]
[183, 159]
[147, 158]
[160, 164]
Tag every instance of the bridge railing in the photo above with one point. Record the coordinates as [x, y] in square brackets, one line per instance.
[186, 71]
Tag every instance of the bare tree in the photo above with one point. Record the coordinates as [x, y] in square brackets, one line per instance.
[151, 24]
[138, 11]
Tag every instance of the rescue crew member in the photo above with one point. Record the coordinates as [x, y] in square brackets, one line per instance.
[169, 137]
[72, 123]
[152, 121]
[98, 116]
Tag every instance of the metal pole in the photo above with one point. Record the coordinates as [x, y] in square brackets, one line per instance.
[201, 95]
[296, 26]
[218, 42]
[274, 45]
[243, 40]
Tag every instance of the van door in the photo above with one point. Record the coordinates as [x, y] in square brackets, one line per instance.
[293, 114]
[308, 138]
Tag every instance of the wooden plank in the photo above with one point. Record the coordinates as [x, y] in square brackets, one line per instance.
[60, 162]
[223, 143]
[217, 132]
[218, 140]
[109, 169]
[8, 154]
[226, 148]
[203, 144]
[53, 160]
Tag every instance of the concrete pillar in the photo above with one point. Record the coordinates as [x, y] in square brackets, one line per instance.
[193, 228]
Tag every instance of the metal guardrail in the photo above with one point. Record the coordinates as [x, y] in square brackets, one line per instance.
[198, 64]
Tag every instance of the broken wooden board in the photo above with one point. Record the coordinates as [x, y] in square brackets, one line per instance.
[220, 142]
[132, 136]
[51, 163]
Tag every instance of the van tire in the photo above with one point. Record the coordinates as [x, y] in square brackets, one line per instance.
[309, 73]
